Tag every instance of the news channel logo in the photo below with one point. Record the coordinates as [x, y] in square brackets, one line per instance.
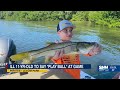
[103, 68]
[111, 68]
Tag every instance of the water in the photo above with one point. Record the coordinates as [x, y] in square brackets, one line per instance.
[34, 35]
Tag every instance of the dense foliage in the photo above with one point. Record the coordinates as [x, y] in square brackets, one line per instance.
[108, 18]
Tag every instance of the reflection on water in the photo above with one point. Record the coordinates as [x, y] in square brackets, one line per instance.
[34, 35]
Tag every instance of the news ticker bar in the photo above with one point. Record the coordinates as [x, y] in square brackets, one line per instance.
[48, 66]
[39, 67]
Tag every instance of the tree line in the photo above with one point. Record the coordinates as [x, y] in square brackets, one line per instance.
[107, 18]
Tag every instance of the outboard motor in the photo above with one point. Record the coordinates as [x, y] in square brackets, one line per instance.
[7, 48]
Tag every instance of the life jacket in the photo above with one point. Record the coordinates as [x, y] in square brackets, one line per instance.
[70, 59]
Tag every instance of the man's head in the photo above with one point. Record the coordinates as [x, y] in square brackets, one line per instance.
[64, 30]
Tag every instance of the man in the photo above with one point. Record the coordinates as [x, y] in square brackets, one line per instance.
[65, 32]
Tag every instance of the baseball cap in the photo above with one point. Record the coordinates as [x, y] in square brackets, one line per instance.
[64, 24]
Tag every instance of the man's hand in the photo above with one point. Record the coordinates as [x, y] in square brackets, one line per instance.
[58, 53]
[95, 50]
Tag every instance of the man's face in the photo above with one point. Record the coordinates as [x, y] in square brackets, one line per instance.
[66, 34]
